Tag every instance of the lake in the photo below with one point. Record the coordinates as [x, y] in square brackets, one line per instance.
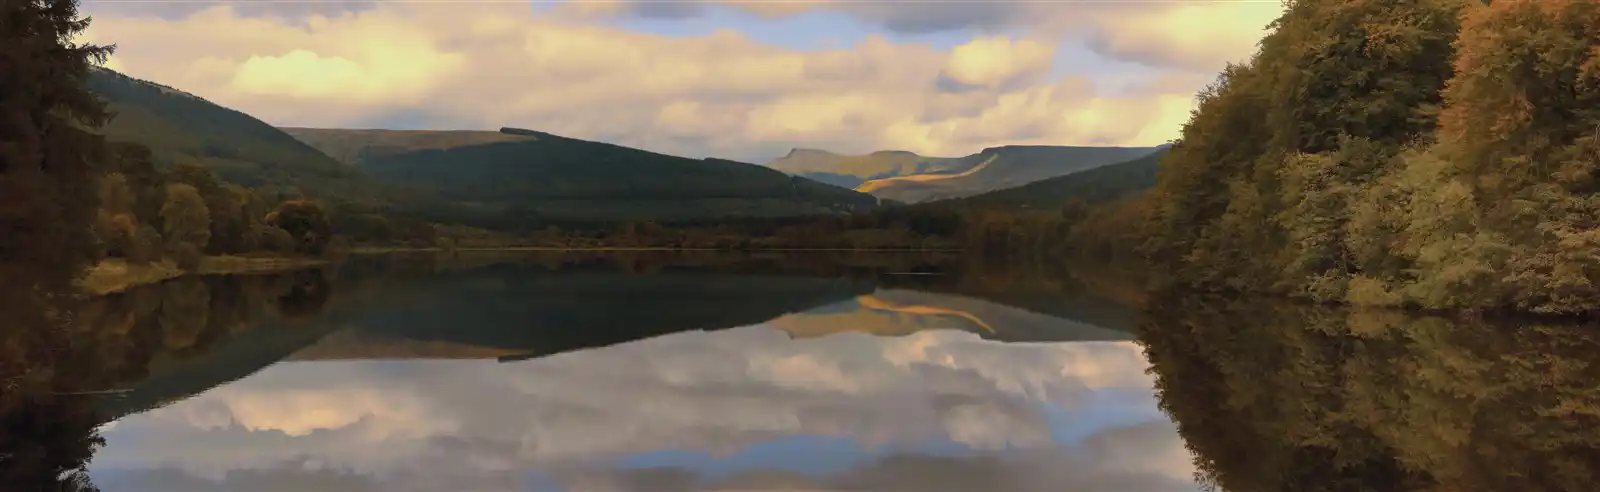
[691, 371]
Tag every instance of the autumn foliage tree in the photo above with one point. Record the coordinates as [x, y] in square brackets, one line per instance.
[1521, 133]
[306, 222]
[185, 217]
[1433, 153]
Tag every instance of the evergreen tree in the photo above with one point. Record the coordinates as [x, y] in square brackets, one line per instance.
[49, 160]
[48, 154]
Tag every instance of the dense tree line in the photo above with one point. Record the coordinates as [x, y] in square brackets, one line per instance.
[146, 214]
[1428, 153]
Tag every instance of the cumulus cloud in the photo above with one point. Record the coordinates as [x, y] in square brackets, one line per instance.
[719, 94]
[1199, 36]
[573, 417]
[996, 62]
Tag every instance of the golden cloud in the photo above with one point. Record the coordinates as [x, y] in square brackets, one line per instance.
[997, 61]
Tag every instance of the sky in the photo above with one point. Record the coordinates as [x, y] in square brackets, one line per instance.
[744, 80]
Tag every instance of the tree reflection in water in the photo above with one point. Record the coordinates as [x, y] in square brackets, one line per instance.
[1277, 397]
[73, 350]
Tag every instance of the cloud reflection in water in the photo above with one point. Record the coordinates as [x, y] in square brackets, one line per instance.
[735, 409]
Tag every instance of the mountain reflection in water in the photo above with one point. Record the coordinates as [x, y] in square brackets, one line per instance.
[708, 372]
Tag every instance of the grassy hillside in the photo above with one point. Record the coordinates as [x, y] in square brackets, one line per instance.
[1000, 167]
[1101, 184]
[183, 128]
[563, 178]
[851, 171]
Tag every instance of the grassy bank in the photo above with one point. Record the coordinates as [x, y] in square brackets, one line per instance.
[116, 275]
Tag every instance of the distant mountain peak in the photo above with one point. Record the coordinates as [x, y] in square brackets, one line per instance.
[895, 152]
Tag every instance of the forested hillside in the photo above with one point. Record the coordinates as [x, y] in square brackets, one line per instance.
[566, 178]
[1433, 153]
[393, 184]
[180, 128]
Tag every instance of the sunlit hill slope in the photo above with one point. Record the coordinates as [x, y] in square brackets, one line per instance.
[1101, 184]
[911, 178]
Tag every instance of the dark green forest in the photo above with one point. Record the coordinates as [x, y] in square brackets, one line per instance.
[572, 179]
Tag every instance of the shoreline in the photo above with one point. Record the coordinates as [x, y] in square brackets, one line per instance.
[115, 275]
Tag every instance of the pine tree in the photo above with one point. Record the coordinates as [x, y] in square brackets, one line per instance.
[48, 155]
[48, 165]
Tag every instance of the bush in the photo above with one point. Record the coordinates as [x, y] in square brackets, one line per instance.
[187, 255]
[306, 222]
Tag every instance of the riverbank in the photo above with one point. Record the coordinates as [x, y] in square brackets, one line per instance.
[115, 275]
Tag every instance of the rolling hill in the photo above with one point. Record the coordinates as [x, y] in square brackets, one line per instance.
[851, 171]
[179, 127]
[562, 178]
[999, 167]
[465, 177]
[911, 178]
[1101, 184]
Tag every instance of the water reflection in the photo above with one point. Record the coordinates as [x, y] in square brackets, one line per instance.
[1274, 397]
[653, 372]
[746, 407]
[59, 365]
[644, 374]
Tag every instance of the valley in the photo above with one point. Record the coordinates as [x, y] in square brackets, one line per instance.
[522, 188]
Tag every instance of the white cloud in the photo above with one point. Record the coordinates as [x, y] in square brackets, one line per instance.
[721, 94]
[995, 62]
[1197, 36]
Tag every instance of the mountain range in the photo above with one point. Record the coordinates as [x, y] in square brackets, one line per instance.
[908, 177]
[568, 178]
[486, 178]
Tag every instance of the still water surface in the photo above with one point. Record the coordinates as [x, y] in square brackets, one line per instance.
[674, 372]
